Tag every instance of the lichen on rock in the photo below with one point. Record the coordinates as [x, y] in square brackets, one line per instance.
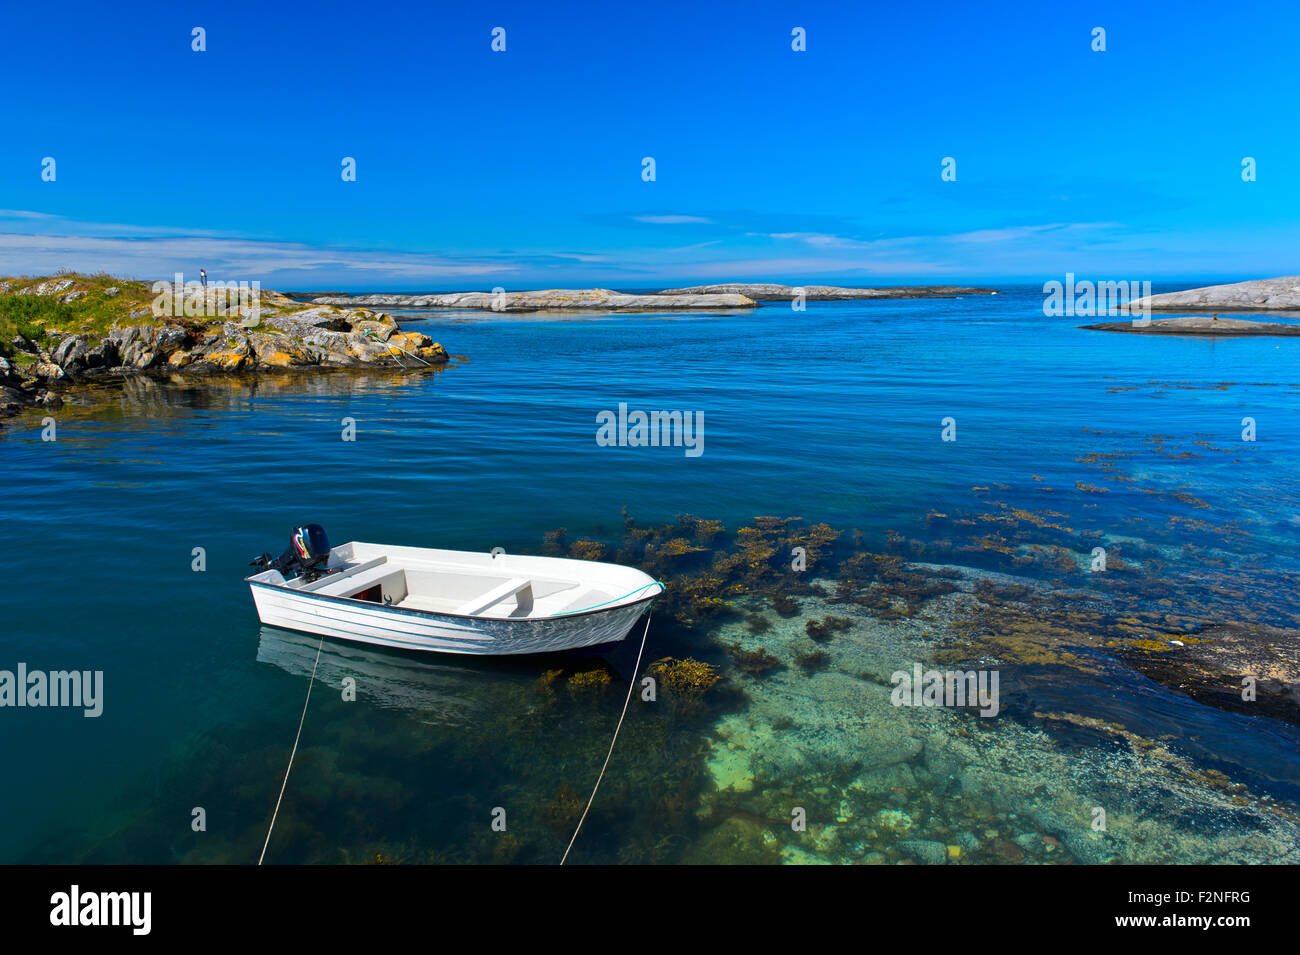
[69, 328]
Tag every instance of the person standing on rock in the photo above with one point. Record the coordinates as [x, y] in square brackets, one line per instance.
[203, 277]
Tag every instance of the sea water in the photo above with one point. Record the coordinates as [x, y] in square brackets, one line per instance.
[976, 442]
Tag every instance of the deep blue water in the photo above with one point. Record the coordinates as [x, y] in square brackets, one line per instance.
[833, 414]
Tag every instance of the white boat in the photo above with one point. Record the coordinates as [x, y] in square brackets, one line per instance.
[449, 601]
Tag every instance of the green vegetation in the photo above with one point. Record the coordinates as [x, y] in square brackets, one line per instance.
[92, 305]
[93, 312]
[29, 317]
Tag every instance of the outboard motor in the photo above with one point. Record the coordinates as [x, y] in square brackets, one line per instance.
[306, 556]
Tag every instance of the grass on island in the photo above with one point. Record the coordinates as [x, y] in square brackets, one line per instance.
[36, 317]
[39, 317]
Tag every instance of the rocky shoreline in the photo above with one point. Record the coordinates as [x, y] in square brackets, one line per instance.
[63, 331]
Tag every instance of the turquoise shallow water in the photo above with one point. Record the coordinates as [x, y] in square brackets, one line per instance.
[833, 415]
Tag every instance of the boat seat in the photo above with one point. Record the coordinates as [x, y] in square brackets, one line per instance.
[336, 578]
[521, 586]
[355, 583]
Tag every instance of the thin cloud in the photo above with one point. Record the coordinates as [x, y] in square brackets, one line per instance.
[37, 243]
[160, 256]
[674, 220]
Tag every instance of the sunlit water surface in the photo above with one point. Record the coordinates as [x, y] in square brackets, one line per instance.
[831, 415]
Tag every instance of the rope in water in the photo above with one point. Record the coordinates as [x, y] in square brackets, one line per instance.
[398, 347]
[631, 686]
[287, 769]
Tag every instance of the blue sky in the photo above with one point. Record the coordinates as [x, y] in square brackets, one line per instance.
[523, 168]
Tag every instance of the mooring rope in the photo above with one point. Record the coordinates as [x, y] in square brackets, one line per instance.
[636, 670]
[287, 769]
[662, 587]
[391, 346]
[631, 687]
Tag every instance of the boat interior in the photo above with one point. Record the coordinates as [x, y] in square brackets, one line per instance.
[464, 584]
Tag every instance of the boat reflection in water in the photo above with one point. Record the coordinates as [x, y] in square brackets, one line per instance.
[444, 692]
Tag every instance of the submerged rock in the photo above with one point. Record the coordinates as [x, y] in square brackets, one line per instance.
[924, 851]
[894, 820]
[737, 841]
[1216, 664]
[1029, 841]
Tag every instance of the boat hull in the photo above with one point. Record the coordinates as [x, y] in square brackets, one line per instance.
[408, 629]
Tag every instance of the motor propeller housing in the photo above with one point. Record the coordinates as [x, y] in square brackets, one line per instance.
[307, 555]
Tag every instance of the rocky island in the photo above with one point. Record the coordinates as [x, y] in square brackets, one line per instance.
[1260, 295]
[56, 332]
[1198, 325]
[1253, 296]
[735, 295]
[766, 292]
[543, 300]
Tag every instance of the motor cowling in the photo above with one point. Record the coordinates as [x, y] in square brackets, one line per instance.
[307, 555]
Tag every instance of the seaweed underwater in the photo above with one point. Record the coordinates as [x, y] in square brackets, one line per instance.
[1018, 588]
[773, 655]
